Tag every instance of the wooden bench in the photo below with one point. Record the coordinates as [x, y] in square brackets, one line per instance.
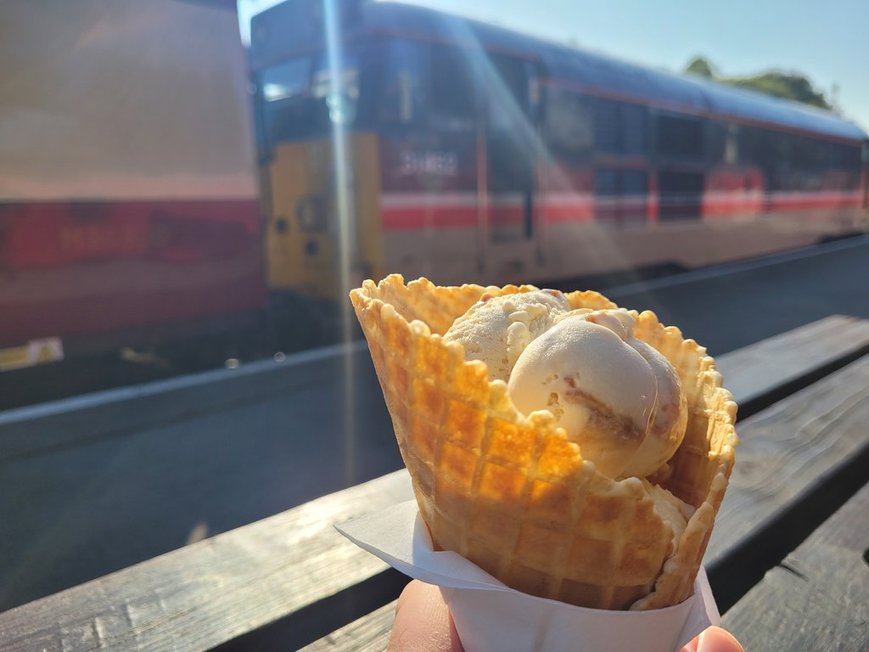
[291, 580]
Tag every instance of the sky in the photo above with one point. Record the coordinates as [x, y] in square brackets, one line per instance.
[827, 41]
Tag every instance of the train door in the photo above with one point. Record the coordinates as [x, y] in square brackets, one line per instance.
[508, 133]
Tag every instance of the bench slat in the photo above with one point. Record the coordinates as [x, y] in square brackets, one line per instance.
[818, 598]
[798, 461]
[205, 594]
[369, 633]
[788, 448]
[221, 588]
[791, 356]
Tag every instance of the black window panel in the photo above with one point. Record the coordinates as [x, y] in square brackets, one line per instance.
[766, 150]
[607, 127]
[680, 195]
[620, 195]
[845, 157]
[606, 181]
[634, 182]
[452, 90]
[568, 125]
[716, 142]
[400, 98]
[505, 80]
[633, 129]
[680, 137]
[807, 154]
[613, 181]
[619, 128]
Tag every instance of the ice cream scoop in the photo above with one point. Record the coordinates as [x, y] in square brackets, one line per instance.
[497, 329]
[615, 396]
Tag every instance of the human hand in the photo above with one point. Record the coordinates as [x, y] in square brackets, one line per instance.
[423, 624]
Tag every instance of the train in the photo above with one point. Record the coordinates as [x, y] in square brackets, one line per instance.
[129, 198]
[159, 180]
[481, 154]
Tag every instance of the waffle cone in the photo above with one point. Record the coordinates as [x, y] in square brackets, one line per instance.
[511, 493]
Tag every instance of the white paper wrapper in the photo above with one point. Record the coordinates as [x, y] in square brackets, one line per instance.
[490, 616]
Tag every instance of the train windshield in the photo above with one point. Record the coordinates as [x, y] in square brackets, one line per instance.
[302, 96]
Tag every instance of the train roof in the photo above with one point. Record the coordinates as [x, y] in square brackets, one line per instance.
[612, 75]
[595, 72]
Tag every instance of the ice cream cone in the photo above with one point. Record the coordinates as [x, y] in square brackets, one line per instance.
[511, 493]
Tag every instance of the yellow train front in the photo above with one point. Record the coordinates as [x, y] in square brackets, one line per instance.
[398, 138]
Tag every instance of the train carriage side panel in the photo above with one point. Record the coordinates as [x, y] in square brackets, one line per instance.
[128, 198]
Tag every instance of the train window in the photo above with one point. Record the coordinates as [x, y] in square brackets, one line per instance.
[400, 97]
[634, 182]
[845, 157]
[286, 80]
[506, 89]
[607, 126]
[680, 137]
[680, 194]
[338, 89]
[844, 168]
[633, 119]
[764, 149]
[721, 143]
[453, 96]
[619, 128]
[606, 182]
[288, 111]
[568, 124]
[620, 194]
[619, 182]
[806, 153]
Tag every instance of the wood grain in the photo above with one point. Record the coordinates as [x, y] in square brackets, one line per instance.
[818, 598]
[205, 594]
[790, 450]
[792, 356]
[367, 634]
[222, 588]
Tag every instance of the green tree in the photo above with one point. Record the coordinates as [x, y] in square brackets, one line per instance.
[701, 67]
[788, 85]
[792, 86]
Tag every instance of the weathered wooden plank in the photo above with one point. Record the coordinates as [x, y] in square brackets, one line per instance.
[225, 587]
[367, 634]
[818, 597]
[792, 356]
[789, 447]
[790, 452]
[203, 595]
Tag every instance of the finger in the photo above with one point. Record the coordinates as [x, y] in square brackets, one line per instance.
[423, 622]
[713, 639]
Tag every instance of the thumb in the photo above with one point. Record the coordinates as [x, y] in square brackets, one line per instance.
[713, 639]
[423, 622]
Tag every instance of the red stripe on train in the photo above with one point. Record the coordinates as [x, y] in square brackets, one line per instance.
[36, 234]
[432, 212]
